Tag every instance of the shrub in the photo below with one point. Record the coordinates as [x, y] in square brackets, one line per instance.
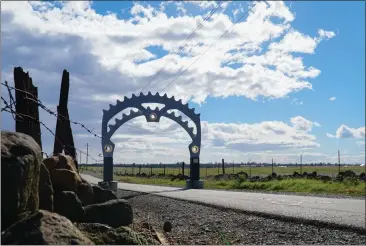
[351, 181]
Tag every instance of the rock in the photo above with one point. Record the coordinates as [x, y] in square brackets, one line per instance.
[167, 227]
[65, 180]
[114, 213]
[45, 190]
[21, 159]
[60, 161]
[85, 193]
[101, 195]
[68, 204]
[362, 176]
[104, 235]
[44, 228]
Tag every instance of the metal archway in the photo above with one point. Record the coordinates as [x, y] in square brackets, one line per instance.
[151, 115]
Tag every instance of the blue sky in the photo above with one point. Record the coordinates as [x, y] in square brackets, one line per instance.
[319, 54]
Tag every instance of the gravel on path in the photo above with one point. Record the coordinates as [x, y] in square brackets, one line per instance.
[199, 224]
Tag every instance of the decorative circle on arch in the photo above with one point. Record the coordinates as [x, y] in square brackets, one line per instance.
[108, 148]
[153, 116]
[195, 149]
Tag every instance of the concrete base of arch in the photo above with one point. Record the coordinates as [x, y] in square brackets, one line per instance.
[194, 184]
[111, 185]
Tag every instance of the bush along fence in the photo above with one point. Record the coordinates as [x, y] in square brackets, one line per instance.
[224, 171]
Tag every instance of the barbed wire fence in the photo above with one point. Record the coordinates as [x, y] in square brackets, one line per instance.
[27, 120]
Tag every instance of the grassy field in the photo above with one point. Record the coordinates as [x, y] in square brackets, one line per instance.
[254, 171]
[352, 188]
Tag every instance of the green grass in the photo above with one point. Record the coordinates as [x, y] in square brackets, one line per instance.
[352, 188]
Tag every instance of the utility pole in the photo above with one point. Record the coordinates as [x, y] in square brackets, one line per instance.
[272, 165]
[87, 153]
[339, 161]
[301, 164]
[80, 156]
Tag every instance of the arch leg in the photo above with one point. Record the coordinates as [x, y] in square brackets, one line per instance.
[108, 169]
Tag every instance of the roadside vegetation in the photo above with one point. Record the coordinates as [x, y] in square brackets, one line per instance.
[347, 183]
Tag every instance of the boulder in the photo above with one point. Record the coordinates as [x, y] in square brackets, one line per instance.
[68, 204]
[65, 180]
[104, 235]
[102, 195]
[85, 193]
[44, 228]
[114, 213]
[362, 177]
[45, 189]
[21, 160]
[60, 161]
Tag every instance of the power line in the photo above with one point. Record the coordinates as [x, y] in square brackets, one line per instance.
[184, 44]
[210, 46]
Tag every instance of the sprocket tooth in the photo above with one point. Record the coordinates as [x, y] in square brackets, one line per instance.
[105, 111]
[198, 115]
[157, 94]
[110, 106]
[118, 101]
[180, 117]
[149, 93]
[165, 95]
[185, 123]
[157, 109]
[173, 98]
[131, 112]
[117, 121]
[134, 96]
[180, 101]
[125, 98]
[192, 110]
[111, 127]
[124, 115]
[148, 108]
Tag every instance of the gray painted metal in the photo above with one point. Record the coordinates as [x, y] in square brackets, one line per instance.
[136, 102]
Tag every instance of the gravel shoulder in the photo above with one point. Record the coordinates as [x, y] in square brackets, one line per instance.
[200, 224]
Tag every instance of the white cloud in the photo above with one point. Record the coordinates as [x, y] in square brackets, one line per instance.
[302, 124]
[116, 45]
[109, 58]
[297, 101]
[347, 132]
[332, 98]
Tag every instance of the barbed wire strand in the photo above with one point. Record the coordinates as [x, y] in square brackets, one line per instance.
[44, 125]
[40, 104]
